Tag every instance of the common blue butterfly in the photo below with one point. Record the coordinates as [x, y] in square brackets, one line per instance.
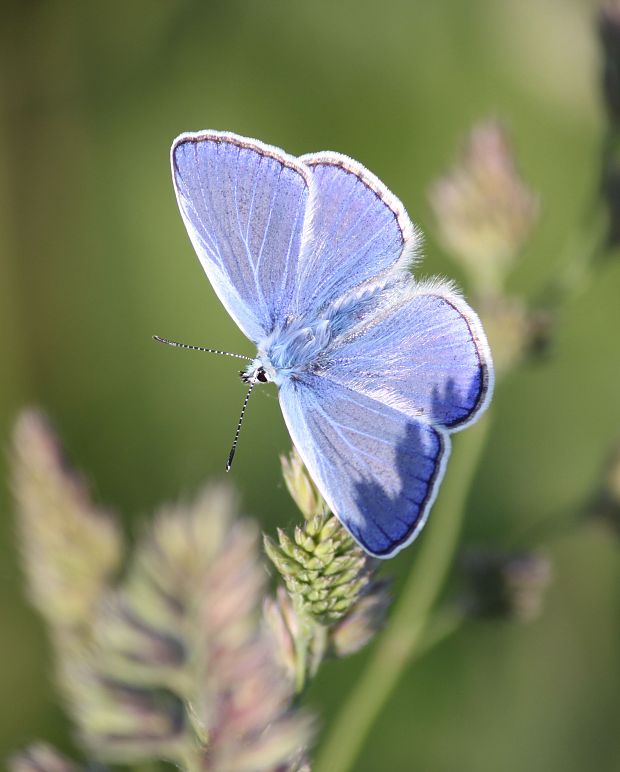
[310, 256]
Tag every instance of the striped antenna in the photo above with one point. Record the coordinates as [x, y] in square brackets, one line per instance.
[231, 455]
[200, 348]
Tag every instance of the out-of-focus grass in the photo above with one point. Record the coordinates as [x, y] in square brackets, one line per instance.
[94, 259]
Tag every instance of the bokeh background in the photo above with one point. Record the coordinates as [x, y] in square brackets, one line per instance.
[94, 259]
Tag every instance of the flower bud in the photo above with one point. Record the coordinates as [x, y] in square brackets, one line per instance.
[483, 210]
[70, 548]
[323, 569]
[283, 626]
[363, 622]
[300, 486]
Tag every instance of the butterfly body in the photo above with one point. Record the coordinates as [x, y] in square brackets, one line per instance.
[304, 345]
[311, 258]
[288, 352]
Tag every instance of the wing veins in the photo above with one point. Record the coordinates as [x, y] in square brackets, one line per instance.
[212, 231]
[244, 239]
[336, 227]
[290, 244]
[273, 198]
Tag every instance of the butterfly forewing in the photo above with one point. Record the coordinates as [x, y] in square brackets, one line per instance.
[359, 232]
[244, 206]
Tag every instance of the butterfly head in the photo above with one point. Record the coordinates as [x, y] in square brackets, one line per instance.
[255, 373]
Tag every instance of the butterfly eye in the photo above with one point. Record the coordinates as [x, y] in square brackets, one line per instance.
[255, 376]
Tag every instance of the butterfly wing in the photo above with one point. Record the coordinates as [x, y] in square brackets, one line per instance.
[280, 236]
[377, 468]
[244, 205]
[372, 422]
[360, 232]
[426, 355]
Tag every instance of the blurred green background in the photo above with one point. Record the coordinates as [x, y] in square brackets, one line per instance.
[94, 259]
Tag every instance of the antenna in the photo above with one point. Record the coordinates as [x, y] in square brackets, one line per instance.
[231, 455]
[200, 348]
[176, 344]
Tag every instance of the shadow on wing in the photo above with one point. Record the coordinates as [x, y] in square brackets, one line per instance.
[459, 402]
[395, 508]
[395, 502]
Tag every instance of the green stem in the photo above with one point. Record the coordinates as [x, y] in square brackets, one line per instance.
[301, 650]
[440, 626]
[401, 639]
[303, 641]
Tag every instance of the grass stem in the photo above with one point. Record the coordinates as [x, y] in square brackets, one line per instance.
[405, 635]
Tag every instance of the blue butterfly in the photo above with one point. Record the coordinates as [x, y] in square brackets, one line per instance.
[310, 256]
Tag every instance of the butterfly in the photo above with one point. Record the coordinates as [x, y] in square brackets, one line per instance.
[310, 256]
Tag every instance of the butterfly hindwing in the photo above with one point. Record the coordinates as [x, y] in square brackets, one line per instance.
[425, 354]
[377, 469]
